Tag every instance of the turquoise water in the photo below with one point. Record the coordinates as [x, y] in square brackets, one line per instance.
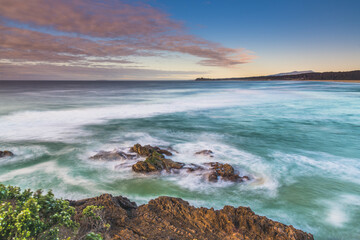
[299, 140]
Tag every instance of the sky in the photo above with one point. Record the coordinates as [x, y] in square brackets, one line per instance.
[175, 40]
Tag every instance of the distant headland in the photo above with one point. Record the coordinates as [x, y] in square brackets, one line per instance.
[297, 76]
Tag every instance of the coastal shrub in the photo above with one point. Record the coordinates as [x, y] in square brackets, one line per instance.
[93, 221]
[93, 236]
[33, 215]
[92, 212]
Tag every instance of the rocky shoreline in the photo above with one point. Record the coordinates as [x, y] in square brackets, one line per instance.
[174, 218]
[116, 217]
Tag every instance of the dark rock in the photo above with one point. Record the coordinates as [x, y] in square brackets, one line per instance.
[147, 150]
[208, 153]
[156, 162]
[6, 154]
[213, 177]
[172, 150]
[225, 172]
[112, 156]
[174, 218]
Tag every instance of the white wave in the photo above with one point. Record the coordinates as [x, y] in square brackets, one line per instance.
[318, 164]
[65, 124]
[23, 154]
[244, 162]
[342, 209]
[52, 170]
[336, 215]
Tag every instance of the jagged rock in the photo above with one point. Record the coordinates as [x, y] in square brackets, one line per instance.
[6, 154]
[147, 150]
[112, 156]
[208, 153]
[156, 162]
[174, 218]
[225, 172]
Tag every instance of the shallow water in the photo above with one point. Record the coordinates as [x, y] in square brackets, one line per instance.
[300, 141]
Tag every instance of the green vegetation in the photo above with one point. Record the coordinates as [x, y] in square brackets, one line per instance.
[93, 236]
[92, 212]
[33, 215]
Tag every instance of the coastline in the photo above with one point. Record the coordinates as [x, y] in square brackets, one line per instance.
[173, 218]
[116, 217]
[283, 80]
[349, 76]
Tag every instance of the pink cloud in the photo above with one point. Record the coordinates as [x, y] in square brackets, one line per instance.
[94, 18]
[122, 29]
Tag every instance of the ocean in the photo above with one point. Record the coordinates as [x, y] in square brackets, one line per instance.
[300, 142]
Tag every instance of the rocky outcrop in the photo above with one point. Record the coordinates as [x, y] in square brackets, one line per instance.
[225, 172]
[156, 162]
[112, 156]
[147, 150]
[174, 218]
[6, 153]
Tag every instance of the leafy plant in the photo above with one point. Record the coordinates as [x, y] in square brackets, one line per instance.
[93, 236]
[92, 212]
[33, 215]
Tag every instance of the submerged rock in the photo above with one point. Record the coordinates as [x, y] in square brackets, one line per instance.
[6, 153]
[147, 150]
[174, 218]
[156, 162]
[193, 167]
[112, 156]
[208, 153]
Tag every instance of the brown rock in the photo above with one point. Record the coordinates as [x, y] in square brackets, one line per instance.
[174, 218]
[225, 172]
[112, 156]
[6, 154]
[147, 150]
[156, 162]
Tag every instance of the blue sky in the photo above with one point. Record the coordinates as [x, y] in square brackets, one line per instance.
[172, 39]
[301, 35]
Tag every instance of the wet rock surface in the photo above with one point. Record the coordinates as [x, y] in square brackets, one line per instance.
[174, 218]
[208, 153]
[6, 153]
[193, 167]
[147, 150]
[225, 172]
[156, 162]
[112, 156]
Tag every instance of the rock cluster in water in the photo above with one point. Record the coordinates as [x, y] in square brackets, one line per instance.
[6, 153]
[174, 218]
[156, 162]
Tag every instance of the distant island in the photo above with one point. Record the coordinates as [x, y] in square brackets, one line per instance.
[296, 76]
